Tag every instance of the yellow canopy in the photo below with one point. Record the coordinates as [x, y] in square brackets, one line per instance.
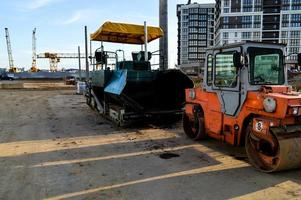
[125, 33]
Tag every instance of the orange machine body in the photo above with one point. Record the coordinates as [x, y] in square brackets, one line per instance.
[245, 100]
[231, 129]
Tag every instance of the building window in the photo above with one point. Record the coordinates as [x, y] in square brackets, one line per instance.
[284, 41]
[246, 35]
[226, 10]
[225, 26]
[285, 24]
[296, 24]
[256, 35]
[203, 10]
[296, 17]
[247, 9]
[257, 25]
[246, 19]
[203, 17]
[296, 1]
[295, 42]
[226, 20]
[193, 49]
[257, 18]
[285, 17]
[193, 56]
[296, 7]
[202, 43]
[257, 8]
[202, 36]
[247, 25]
[225, 35]
[247, 5]
[204, 24]
[294, 50]
[295, 34]
[285, 7]
[226, 3]
[201, 56]
[286, 2]
[258, 2]
[284, 34]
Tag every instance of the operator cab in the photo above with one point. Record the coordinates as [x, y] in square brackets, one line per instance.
[233, 70]
[139, 63]
[264, 63]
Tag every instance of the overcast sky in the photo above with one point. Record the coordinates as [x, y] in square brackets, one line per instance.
[60, 25]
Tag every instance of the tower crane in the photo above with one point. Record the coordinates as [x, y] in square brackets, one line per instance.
[34, 52]
[12, 68]
[55, 58]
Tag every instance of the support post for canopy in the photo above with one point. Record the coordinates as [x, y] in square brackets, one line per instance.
[86, 49]
[91, 56]
[79, 65]
[145, 42]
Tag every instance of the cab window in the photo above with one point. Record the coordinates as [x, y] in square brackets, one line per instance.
[266, 66]
[209, 70]
[225, 71]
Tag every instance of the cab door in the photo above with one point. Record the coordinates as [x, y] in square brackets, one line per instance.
[214, 114]
[226, 81]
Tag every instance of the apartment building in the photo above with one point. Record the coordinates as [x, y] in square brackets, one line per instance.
[272, 21]
[195, 34]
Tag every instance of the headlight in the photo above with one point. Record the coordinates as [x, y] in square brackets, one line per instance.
[295, 111]
[269, 104]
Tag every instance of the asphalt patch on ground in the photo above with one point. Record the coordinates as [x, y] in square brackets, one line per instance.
[167, 156]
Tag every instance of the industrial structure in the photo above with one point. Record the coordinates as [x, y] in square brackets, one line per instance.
[12, 67]
[163, 21]
[195, 34]
[258, 20]
[34, 67]
[55, 58]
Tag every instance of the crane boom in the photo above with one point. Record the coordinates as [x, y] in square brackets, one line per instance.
[55, 58]
[9, 50]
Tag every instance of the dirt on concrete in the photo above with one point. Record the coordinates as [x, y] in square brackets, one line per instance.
[52, 146]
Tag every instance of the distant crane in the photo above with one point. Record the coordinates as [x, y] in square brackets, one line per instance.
[34, 52]
[12, 68]
[55, 58]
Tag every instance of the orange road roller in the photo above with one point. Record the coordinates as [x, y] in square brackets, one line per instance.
[245, 100]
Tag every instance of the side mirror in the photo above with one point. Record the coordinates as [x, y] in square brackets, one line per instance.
[299, 59]
[237, 60]
[100, 57]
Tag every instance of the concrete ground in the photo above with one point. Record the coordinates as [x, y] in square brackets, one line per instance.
[52, 146]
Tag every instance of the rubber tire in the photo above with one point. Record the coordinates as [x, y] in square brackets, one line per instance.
[254, 161]
[200, 133]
